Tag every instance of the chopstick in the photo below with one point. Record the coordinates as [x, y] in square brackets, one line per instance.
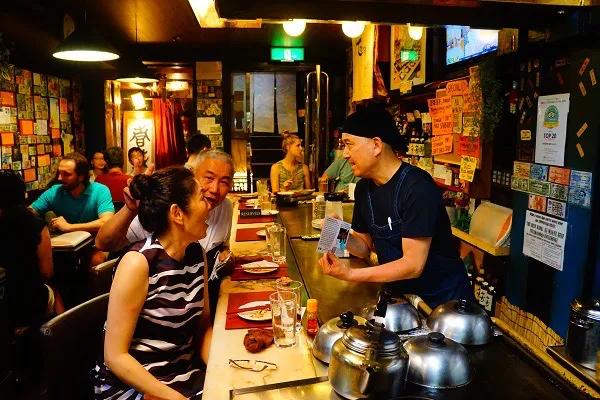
[239, 310]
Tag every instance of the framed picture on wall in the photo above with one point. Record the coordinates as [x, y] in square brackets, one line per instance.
[408, 59]
[138, 128]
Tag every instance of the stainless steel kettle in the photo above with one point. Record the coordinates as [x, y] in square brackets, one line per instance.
[369, 361]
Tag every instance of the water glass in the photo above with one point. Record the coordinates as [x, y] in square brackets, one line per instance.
[277, 242]
[334, 209]
[296, 287]
[261, 187]
[265, 201]
[283, 310]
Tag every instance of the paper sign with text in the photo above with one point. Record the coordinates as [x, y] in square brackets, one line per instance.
[441, 144]
[457, 87]
[544, 239]
[468, 146]
[467, 168]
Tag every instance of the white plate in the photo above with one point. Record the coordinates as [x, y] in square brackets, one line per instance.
[255, 315]
[316, 223]
[260, 270]
[261, 233]
[287, 193]
[269, 212]
[248, 195]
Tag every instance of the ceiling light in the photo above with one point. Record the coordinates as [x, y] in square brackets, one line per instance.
[415, 32]
[85, 45]
[353, 29]
[201, 7]
[138, 101]
[294, 27]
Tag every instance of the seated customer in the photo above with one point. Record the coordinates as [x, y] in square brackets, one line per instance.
[341, 171]
[79, 204]
[290, 173]
[26, 254]
[137, 159]
[98, 165]
[195, 145]
[158, 316]
[115, 179]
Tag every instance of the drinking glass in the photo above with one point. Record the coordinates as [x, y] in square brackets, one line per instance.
[296, 287]
[283, 310]
[334, 209]
[277, 242]
[261, 187]
[265, 201]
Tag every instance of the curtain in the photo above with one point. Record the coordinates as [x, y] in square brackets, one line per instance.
[169, 150]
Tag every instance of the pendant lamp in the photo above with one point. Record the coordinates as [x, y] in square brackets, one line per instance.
[134, 71]
[86, 45]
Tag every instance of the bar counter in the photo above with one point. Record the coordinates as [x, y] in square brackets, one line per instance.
[502, 369]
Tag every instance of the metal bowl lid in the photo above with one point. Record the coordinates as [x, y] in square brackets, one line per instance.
[437, 362]
[587, 307]
[461, 321]
[331, 331]
[363, 337]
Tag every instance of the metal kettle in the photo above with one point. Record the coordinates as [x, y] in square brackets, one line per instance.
[369, 360]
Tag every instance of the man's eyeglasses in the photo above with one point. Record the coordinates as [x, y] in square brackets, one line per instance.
[252, 365]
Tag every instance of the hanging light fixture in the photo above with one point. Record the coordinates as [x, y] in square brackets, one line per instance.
[415, 32]
[134, 71]
[294, 27]
[84, 44]
[353, 29]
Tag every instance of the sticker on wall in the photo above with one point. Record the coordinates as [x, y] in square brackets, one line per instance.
[559, 175]
[539, 187]
[537, 203]
[560, 192]
[556, 208]
[580, 190]
[551, 132]
[519, 184]
[592, 77]
[467, 168]
[544, 239]
[539, 172]
[525, 134]
[521, 169]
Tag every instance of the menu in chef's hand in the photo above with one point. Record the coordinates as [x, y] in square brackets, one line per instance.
[334, 237]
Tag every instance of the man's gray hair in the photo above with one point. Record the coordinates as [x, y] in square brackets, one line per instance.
[215, 155]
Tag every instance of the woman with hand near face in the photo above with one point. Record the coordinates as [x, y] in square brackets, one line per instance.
[157, 328]
[290, 173]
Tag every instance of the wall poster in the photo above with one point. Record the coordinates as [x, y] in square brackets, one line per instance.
[138, 127]
[551, 131]
[408, 59]
[545, 239]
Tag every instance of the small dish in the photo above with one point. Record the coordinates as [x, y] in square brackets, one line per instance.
[260, 270]
[270, 212]
[248, 195]
[316, 223]
[286, 193]
[261, 233]
[256, 315]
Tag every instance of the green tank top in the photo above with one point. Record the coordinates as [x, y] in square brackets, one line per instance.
[297, 176]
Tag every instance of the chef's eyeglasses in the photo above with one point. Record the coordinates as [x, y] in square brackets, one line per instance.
[252, 365]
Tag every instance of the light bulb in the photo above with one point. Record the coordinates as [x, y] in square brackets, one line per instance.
[294, 27]
[415, 32]
[201, 7]
[138, 101]
[353, 29]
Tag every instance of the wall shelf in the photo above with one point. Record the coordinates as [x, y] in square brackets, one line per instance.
[480, 244]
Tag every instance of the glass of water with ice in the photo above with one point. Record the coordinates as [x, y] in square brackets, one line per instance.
[283, 310]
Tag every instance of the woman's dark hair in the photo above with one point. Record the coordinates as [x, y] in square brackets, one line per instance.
[12, 188]
[136, 149]
[157, 192]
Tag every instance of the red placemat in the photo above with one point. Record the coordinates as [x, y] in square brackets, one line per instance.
[248, 234]
[255, 220]
[244, 206]
[235, 301]
[239, 274]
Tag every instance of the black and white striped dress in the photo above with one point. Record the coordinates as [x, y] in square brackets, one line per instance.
[163, 341]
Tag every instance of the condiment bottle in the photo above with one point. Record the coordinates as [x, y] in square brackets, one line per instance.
[477, 287]
[312, 323]
[483, 294]
[491, 305]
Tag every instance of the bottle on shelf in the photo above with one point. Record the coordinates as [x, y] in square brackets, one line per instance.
[477, 287]
[491, 304]
[483, 294]
[312, 321]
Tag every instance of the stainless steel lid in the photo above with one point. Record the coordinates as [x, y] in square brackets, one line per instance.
[437, 362]
[587, 307]
[331, 331]
[462, 321]
[363, 337]
[401, 316]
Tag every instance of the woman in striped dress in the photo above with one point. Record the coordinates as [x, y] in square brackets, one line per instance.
[156, 317]
[290, 173]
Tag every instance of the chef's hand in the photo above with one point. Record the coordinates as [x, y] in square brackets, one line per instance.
[288, 184]
[331, 265]
[61, 224]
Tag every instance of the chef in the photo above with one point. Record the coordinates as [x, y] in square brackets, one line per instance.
[398, 214]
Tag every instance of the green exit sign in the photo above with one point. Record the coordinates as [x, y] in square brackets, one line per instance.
[409, 55]
[287, 54]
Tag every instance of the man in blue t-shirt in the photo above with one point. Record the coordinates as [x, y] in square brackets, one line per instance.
[80, 205]
[399, 214]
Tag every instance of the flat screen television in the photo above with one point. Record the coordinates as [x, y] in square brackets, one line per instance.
[464, 43]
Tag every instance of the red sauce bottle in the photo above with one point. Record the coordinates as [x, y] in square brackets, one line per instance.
[312, 322]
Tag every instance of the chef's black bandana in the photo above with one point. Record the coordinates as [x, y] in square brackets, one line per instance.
[374, 121]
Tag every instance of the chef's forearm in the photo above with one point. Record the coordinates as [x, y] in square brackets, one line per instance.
[358, 247]
[393, 271]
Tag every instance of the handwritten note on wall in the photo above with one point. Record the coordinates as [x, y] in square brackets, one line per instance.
[441, 144]
[467, 168]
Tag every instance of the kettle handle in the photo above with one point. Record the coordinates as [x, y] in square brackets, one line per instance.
[367, 380]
